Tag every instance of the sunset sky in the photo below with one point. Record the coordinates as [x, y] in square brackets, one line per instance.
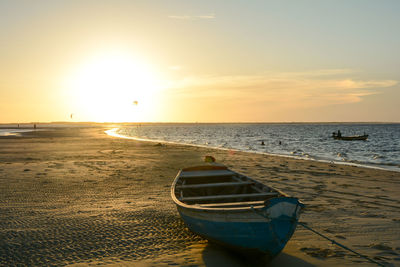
[200, 61]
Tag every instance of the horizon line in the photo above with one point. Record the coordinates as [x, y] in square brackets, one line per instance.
[196, 122]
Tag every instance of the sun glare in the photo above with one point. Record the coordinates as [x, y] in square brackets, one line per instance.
[114, 87]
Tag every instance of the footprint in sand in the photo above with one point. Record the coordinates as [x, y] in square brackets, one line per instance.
[323, 253]
[380, 246]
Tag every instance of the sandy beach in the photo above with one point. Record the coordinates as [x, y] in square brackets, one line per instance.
[76, 196]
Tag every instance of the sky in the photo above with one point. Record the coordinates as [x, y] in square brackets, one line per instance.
[200, 61]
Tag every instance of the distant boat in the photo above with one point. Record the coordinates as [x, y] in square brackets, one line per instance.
[234, 210]
[350, 138]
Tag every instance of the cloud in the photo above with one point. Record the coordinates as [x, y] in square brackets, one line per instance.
[284, 90]
[192, 17]
[209, 16]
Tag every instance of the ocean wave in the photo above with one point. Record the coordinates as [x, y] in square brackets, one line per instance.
[307, 141]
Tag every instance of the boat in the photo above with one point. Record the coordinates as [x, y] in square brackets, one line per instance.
[350, 138]
[234, 210]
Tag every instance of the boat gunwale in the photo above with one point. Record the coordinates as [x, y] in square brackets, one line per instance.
[218, 209]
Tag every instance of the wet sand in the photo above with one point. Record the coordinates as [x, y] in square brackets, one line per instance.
[80, 197]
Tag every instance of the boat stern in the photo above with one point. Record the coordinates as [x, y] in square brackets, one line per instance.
[282, 215]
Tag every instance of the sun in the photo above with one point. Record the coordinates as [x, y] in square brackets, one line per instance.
[114, 87]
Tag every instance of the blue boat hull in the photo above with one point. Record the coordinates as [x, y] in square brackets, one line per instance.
[265, 230]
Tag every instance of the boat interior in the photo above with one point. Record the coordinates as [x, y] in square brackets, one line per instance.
[221, 188]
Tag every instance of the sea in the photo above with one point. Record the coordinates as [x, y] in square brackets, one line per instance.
[309, 141]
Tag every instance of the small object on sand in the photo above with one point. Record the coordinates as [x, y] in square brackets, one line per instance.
[158, 144]
[209, 159]
[235, 210]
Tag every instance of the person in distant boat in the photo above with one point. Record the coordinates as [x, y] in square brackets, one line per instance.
[339, 134]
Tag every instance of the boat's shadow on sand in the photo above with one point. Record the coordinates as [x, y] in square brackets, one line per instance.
[215, 255]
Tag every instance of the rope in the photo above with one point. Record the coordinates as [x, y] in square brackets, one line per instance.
[340, 245]
[324, 236]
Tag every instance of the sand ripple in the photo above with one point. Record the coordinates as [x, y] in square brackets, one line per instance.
[65, 240]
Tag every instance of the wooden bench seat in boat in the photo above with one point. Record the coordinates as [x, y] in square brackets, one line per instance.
[206, 173]
[233, 204]
[219, 197]
[214, 185]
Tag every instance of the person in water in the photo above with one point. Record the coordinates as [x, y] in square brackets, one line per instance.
[339, 134]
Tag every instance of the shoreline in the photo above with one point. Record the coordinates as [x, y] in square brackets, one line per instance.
[112, 132]
[77, 196]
